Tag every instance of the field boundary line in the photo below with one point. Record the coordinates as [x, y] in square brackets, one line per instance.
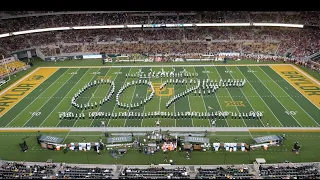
[246, 97]
[62, 100]
[306, 74]
[35, 99]
[215, 94]
[275, 96]
[171, 129]
[102, 97]
[291, 97]
[17, 82]
[173, 65]
[260, 96]
[49, 98]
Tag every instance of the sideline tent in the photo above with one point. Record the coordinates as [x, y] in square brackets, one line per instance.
[120, 139]
[50, 142]
[197, 140]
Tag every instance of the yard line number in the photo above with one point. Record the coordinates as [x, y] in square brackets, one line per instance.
[291, 113]
[35, 113]
[228, 71]
[251, 71]
[206, 72]
[95, 72]
[73, 73]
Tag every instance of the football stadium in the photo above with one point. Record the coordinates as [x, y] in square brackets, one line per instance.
[159, 95]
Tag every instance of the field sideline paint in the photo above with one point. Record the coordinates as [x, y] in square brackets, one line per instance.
[34, 130]
[18, 91]
[284, 130]
[305, 85]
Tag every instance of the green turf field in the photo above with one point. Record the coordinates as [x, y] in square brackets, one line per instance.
[10, 150]
[265, 91]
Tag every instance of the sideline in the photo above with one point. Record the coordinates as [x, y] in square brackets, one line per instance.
[172, 129]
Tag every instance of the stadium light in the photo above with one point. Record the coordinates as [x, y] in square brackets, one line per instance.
[98, 27]
[221, 24]
[4, 35]
[40, 30]
[279, 25]
[134, 26]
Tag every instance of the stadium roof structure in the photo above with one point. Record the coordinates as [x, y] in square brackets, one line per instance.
[119, 139]
[50, 139]
[265, 139]
[196, 139]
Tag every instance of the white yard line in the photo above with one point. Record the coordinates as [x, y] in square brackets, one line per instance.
[247, 99]
[114, 107]
[217, 96]
[291, 97]
[61, 101]
[35, 99]
[232, 99]
[260, 97]
[275, 97]
[190, 109]
[135, 87]
[101, 97]
[50, 98]
[88, 100]
[65, 137]
[144, 108]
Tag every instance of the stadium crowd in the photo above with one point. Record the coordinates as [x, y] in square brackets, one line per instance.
[14, 170]
[43, 19]
[28, 170]
[154, 173]
[296, 171]
[229, 172]
[298, 42]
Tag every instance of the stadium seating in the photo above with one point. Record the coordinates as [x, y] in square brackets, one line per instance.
[309, 171]
[75, 172]
[41, 19]
[15, 170]
[224, 173]
[154, 173]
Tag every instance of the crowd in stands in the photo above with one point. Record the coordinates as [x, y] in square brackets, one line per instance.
[28, 170]
[75, 172]
[15, 170]
[230, 172]
[309, 171]
[154, 173]
[91, 19]
[298, 42]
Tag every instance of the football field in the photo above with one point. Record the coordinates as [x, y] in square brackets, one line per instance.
[285, 95]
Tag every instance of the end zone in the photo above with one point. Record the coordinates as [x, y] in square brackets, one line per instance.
[306, 86]
[15, 93]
